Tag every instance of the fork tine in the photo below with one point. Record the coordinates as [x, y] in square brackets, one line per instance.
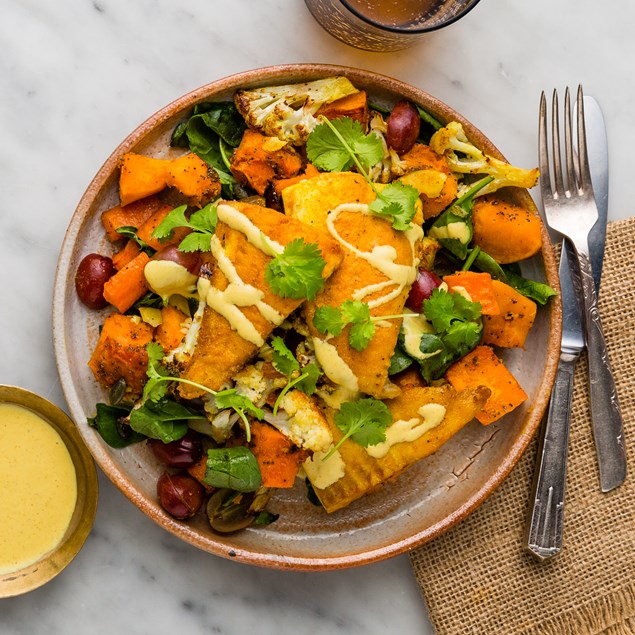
[583, 158]
[543, 151]
[572, 182]
[555, 140]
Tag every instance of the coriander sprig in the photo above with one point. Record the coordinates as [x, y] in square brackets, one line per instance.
[285, 362]
[159, 379]
[333, 320]
[337, 145]
[297, 271]
[364, 421]
[202, 223]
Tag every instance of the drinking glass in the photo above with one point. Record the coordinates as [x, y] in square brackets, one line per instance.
[386, 25]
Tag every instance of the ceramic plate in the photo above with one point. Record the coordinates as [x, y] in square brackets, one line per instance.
[425, 501]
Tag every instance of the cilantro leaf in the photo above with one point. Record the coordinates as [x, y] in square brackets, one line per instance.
[328, 319]
[202, 223]
[231, 399]
[332, 320]
[296, 272]
[355, 311]
[196, 242]
[458, 327]
[334, 146]
[361, 334]
[157, 384]
[285, 363]
[307, 382]
[176, 218]
[283, 359]
[128, 231]
[364, 421]
[397, 202]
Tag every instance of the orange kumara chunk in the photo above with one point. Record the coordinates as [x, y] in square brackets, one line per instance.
[512, 325]
[481, 367]
[260, 159]
[121, 352]
[507, 232]
[278, 457]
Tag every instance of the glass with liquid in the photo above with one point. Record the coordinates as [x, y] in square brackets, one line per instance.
[385, 25]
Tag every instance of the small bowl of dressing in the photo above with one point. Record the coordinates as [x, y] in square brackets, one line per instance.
[48, 491]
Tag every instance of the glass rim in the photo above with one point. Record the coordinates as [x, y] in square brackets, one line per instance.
[406, 31]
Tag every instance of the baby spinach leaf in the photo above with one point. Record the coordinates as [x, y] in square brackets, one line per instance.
[164, 419]
[108, 422]
[399, 361]
[209, 131]
[234, 468]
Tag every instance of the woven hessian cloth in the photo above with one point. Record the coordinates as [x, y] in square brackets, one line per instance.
[477, 578]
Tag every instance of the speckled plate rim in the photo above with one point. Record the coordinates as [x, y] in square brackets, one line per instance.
[54, 562]
[283, 74]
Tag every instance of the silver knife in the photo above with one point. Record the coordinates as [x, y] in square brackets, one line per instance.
[546, 513]
[607, 429]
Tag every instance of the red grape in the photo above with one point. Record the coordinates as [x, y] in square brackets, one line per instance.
[422, 288]
[190, 260]
[92, 274]
[179, 494]
[403, 126]
[181, 453]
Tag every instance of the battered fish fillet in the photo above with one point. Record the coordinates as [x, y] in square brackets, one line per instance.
[310, 201]
[364, 473]
[220, 351]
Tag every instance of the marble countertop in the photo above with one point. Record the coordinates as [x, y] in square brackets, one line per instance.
[78, 76]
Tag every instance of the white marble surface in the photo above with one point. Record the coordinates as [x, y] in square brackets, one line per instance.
[75, 78]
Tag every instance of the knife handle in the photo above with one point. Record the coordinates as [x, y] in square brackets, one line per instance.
[606, 417]
[546, 512]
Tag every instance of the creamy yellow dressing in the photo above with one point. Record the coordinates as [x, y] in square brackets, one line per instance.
[38, 488]
[459, 231]
[409, 430]
[239, 222]
[413, 327]
[167, 278]
[334, 367]
[321, 473]
[381, 257]
[238, 293]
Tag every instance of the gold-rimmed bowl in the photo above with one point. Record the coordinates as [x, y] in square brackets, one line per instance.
[425, 501]
[52, 563]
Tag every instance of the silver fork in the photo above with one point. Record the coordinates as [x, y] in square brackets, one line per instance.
[570, 209]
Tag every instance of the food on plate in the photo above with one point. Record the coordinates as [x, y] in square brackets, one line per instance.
[306, 287]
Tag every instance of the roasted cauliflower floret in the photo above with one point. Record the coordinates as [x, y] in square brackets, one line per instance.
[470, 160]
[287, 112]
[304, 422]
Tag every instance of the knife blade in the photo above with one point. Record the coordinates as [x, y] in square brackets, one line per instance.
[599, 166]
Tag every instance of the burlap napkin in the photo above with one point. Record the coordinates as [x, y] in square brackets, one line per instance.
[478, 579]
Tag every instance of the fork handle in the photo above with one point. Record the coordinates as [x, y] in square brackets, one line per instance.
[546, 510]
[606, 417]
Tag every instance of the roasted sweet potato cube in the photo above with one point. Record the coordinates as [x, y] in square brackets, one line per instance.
[121, 352]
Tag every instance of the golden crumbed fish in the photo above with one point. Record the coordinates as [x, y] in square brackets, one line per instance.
[378, 267]
[434, 413]
[246, 310]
